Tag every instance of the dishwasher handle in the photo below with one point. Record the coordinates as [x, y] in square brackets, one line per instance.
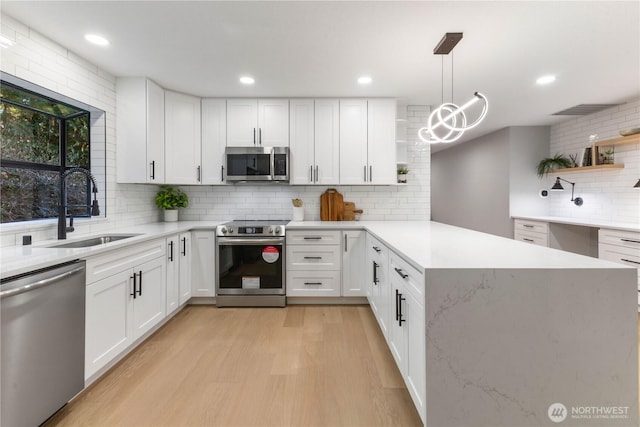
[40, 284]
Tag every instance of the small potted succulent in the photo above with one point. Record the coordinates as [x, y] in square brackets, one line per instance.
[402, 175]
[169, 199]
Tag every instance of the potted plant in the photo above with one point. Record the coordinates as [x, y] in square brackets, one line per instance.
[559, 161]
[608, 157]
[169, 199]
[402, 174]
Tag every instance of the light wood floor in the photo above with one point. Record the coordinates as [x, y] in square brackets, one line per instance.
[297, 366]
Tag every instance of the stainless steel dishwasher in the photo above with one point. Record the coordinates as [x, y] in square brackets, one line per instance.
[42, 367]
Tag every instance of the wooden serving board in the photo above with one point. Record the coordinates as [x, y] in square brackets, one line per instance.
[331, 205]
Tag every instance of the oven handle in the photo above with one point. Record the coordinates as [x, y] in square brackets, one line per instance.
[250, 241]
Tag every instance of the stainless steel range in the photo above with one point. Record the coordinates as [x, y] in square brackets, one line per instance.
[250, 264]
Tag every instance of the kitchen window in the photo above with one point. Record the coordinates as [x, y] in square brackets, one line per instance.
[40, 138]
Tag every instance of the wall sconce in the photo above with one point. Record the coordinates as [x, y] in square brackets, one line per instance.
[637, 184]
[558, 187]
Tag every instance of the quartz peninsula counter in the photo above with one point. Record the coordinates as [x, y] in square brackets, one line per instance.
[518, 334]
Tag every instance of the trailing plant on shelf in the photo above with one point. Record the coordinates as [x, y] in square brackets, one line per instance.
[559, 161]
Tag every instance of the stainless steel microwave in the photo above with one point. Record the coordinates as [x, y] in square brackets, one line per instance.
[255, 164]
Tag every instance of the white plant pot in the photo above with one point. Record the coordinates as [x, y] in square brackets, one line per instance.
[171, 215]
[402, 178]
[298, 213]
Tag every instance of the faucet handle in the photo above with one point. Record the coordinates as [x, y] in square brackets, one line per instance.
[70, 227]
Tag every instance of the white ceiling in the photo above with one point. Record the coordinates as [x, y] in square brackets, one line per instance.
[318, 49]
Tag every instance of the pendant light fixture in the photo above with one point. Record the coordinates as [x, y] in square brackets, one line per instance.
[448, 122]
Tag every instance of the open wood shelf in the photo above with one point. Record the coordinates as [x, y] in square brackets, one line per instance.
[623, 140]
[588, 168]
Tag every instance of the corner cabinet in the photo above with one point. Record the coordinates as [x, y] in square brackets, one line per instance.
[367, 141]
[139, 131]
[182, 139]
[258, 122]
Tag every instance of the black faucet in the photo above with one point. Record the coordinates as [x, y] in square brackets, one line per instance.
[62, 207]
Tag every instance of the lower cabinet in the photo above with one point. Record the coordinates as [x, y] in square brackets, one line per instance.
[535, 232]
[178, 270]
[622, 247]
[203, 263]
[120, 309]
[314, 263]
[353, 263]
[377, 286]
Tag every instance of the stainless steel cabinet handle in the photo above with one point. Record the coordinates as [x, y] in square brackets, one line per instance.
[370, 173]
[313, 257]
[221, 173]
[628, 260]
[311, 173]
[316, 173]
[365, 173]
[630, 240]
[313, 283]
[527, 240]
[39, 284]
[254, 136]
[259, 136]
[198, 173]
[313, 238]
[345, 243]
[527, 225]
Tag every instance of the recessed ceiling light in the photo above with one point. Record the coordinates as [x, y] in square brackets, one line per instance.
[545, 80]
[365, 80]
[246, 80]
[96, 39]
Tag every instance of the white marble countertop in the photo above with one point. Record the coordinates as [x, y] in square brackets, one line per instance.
[429, 245]
[426, 245]
[595, 223]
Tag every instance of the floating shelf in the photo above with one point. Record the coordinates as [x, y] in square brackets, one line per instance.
[623, 140]
[589, 168]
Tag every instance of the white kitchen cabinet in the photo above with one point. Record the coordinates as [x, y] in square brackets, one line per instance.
[182, 139]
[622, 247]
[367, 141]
[378, 287]
[353, 263]
[314, 263]
[407, 327]
[535, 232]
[214, 136]
[124, 301]
[314, 141]
[178, 270]
[258, 122]
[203, 263]
[139, 131]
[381, 141]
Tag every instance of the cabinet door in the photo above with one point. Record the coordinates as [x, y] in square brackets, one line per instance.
[353, 263]
[353, 141]
[108, 320]
[139, 131]
[327, 142]
[185, 267]
[203, 264]
[381, 151]
[214, 136]
[182, 138]
[149, 305]
[415, 376]
[301, 129]
[242, 122]
[273, 123]
[173, 274]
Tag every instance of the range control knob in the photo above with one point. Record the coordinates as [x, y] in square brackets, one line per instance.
[278, 230]
[223, 230]
[230, 230]
[270, 231]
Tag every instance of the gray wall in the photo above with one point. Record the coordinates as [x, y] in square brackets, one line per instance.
[481, 183]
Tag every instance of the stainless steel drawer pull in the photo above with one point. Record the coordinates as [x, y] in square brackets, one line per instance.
[527, 225]
[527, 240]
[313, 257]
[630, 240]
[313, 238]
[628, 260]
[313, 283]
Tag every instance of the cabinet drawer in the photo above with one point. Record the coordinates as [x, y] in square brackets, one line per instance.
[307, 257]
[313, 237]
[376, 249]
[408, 274]
[531, 226]
[627, 239]
[313, 283]
[620, 254]
[105, 265]
[534, 238]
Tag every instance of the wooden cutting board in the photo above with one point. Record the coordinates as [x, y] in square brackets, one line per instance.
[331, 205]
[350, 211]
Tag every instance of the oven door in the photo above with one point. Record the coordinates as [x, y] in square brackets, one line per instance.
[249, 164]
[250, 266]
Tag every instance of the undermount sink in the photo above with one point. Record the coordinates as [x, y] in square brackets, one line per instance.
[93, 241]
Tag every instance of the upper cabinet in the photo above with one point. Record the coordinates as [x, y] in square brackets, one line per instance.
[182, 139]
[315, 142]
[258, 122]
[139, 131]
[214, 134]
[367, 141]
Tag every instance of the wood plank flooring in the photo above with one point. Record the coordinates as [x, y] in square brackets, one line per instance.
[293, 366]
